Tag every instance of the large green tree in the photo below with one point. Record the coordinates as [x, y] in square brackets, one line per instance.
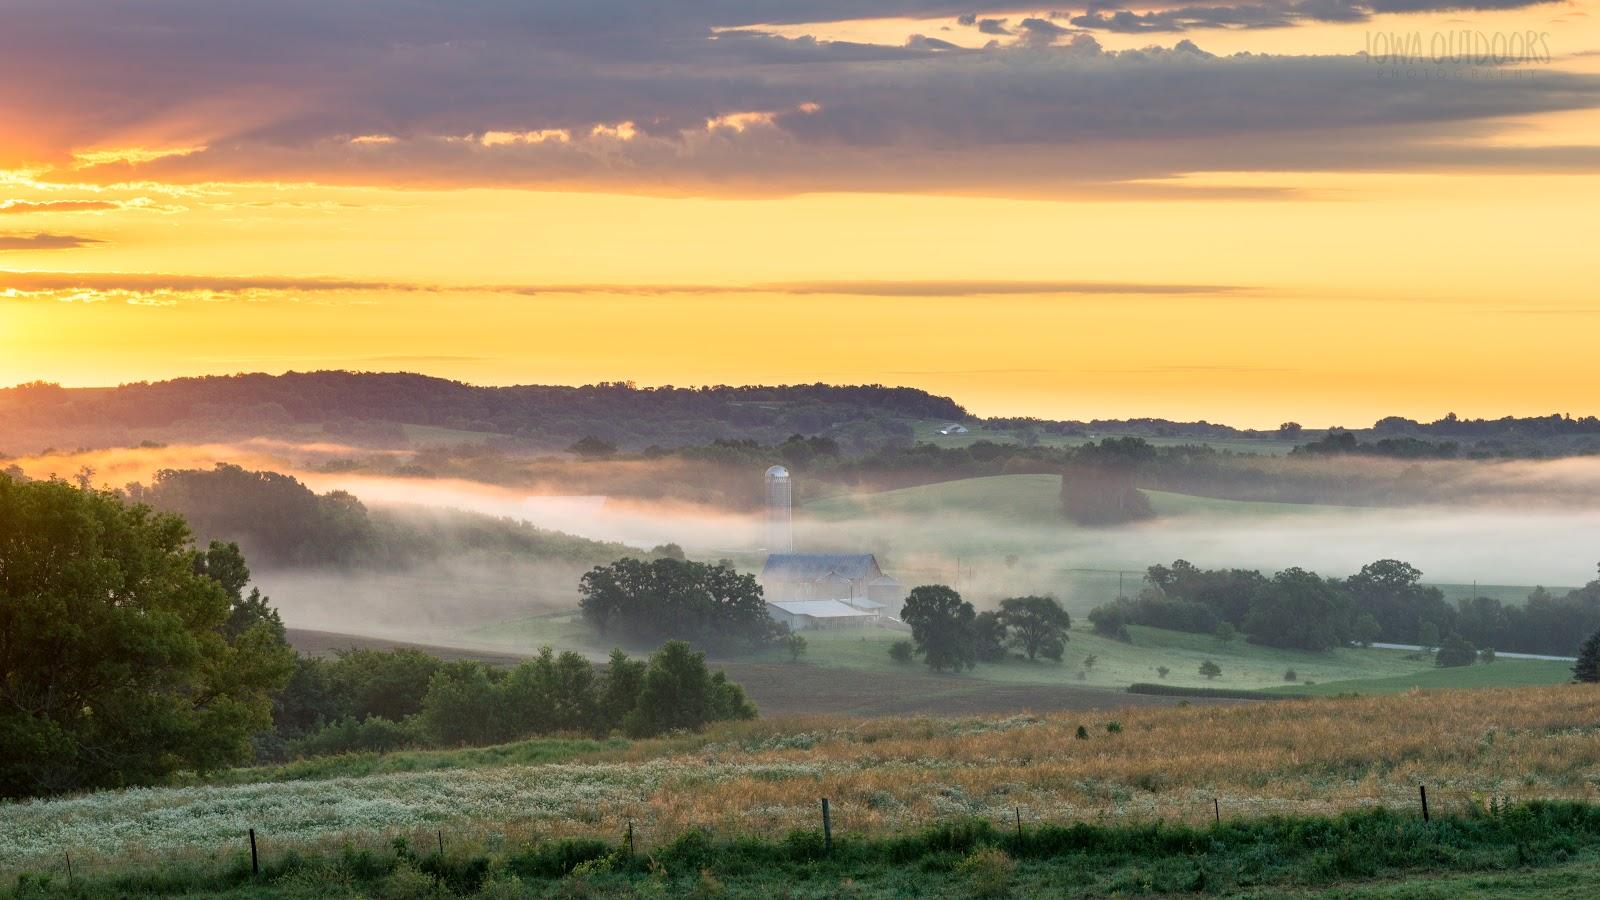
[117, 661]
[1038, 625]
[646, 601]
[942, 625]
[1302, 611]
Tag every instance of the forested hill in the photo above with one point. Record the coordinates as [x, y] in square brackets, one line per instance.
[620, 413]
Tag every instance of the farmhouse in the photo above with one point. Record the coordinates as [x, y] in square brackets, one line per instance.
[839, 588]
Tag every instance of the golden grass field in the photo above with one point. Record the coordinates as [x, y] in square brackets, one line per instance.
[766, 777]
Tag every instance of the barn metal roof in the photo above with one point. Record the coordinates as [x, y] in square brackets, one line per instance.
[817, 566]
[819, 609]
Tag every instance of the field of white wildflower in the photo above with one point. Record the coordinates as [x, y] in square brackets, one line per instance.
[765, 778]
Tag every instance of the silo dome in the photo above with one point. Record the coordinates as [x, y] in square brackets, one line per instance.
[777, 472]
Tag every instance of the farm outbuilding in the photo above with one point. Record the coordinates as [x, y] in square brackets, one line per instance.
[813, 615]
[853, 579]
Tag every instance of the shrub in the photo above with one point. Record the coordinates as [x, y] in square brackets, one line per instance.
[371, 735]
[1291, 675]
[1163, 671]
[1587, 668]
[988, 871]
[1178, 690]
[1456, 651]
[796, 645]
[902, 651]
[1111, 620]
[1210, 669]
[680, 692]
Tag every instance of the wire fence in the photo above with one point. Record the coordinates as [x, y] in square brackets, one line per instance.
[638, 828]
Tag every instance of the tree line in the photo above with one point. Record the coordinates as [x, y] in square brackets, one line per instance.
[369, 700]
[551, 416]
[281, 522]
[1385, 601]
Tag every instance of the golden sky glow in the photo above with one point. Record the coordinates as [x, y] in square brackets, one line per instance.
[1437, 258]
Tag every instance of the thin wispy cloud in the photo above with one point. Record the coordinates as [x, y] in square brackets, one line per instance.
[21, 207]
[44, 242]
[46, 284]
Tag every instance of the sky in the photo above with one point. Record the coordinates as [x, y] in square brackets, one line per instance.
[1320, 210]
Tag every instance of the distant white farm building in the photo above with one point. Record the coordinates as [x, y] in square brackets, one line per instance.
[952, 428]
[829, 590]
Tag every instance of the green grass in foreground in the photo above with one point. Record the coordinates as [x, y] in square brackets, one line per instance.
[1375, 852]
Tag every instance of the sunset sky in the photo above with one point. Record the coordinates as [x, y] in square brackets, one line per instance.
[1242, 212]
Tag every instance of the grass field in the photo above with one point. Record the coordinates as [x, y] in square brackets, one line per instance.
[760, 780]
[1029, 498]
[1244, 665]
[1117, 664]
[1520, 672]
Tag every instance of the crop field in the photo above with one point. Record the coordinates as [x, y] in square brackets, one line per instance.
[761, 779]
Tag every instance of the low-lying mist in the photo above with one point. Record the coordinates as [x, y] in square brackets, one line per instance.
[1513, 523]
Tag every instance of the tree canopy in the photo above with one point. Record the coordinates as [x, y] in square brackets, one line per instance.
[1037, 625]
[118, 664]
[942, 626]
[647, 602]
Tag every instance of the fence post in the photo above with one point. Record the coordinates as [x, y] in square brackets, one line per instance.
[827, 828]
[1422, 789]
[1018, 811]
[630, 837]
[255, 861]
[1216, 808]
[441, 843]
[69, 864]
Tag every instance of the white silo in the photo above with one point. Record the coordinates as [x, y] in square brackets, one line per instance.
[780, 511]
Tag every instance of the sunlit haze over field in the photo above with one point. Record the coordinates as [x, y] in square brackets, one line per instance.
[1244, 213]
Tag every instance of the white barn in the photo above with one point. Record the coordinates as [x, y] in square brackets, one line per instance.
[817, 590]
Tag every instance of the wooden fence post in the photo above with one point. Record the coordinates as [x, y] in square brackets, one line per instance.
[255, 861]
[1216, 808]
[827, 828]
[441, 843]
[630, 837]
[1018, 811]
[69, 864]
[1422, 789]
